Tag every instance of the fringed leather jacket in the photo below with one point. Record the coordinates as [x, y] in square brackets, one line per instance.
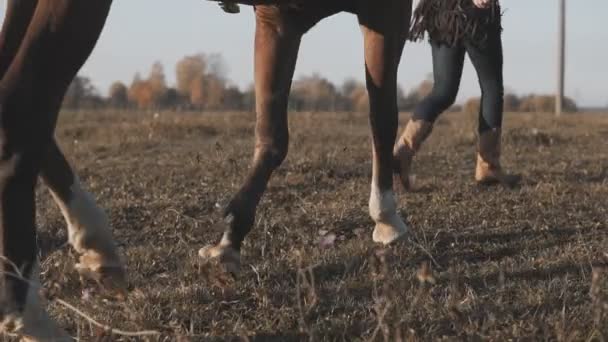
[452, 22]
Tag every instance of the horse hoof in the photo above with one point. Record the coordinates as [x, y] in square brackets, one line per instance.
[43, 333]
[390, 232]
[227, 257]
[110, 276]
[33, 324]
[55, 335]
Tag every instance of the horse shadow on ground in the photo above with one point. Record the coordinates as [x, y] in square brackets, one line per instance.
[587, 177]
[332, 271]
[512, 242]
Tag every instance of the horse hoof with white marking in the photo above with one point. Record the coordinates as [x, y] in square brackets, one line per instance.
[90, 234]
[388, 233]
[227, 257]
[383, 210]
[111, 277]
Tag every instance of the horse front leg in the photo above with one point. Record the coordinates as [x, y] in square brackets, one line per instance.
[58, 39]
[384, 31]
[276, 50]
[89, 230]
[88, 226]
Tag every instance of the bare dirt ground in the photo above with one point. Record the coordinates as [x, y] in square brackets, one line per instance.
[482, 264]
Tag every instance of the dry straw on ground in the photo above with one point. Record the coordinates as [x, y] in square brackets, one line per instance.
[482, 264]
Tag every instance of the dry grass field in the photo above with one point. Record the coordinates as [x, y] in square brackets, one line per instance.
[482, 264]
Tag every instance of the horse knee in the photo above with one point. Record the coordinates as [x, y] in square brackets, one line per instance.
[272, 133]
[272, 153]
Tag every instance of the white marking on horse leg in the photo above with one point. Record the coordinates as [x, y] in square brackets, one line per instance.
[88, 229]
[226, 241]
[383, 210]
[33, 324]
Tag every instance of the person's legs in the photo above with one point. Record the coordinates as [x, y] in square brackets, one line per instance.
[447, 71]
[488, 62]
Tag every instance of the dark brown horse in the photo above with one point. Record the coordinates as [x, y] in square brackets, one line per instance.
[44, 43]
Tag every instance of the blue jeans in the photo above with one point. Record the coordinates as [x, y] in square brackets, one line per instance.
[448, 62]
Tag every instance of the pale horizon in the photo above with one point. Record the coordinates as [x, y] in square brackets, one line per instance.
[165, 32]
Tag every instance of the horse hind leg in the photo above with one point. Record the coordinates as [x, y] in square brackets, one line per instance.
[276, 49]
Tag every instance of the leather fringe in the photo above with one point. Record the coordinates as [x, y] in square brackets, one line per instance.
[452, 22]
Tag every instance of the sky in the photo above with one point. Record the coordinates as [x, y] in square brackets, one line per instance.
[140, 32]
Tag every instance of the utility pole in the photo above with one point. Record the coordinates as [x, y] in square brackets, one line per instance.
[561, 62]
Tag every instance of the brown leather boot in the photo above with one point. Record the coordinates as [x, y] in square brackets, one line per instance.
[488, 170]
[414, 134]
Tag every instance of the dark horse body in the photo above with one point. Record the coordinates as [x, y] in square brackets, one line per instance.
[44, 43]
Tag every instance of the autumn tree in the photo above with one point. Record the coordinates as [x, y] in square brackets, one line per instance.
[545, 104]
[234, 99]
[151, 92]
[249, 98]
[355, 96]
[157, 81]
[118, 95]
[187, 70]
[409, 101]
[201, 81]
[171, 98]
[511, 103]
[529, 103]
[82, 94]
[471, 106]
[139, 93]
[314, 93]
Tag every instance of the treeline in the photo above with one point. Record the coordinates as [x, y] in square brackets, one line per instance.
[528, 103]
[201, 84]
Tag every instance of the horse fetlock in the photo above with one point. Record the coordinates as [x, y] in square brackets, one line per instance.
[382, 204]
